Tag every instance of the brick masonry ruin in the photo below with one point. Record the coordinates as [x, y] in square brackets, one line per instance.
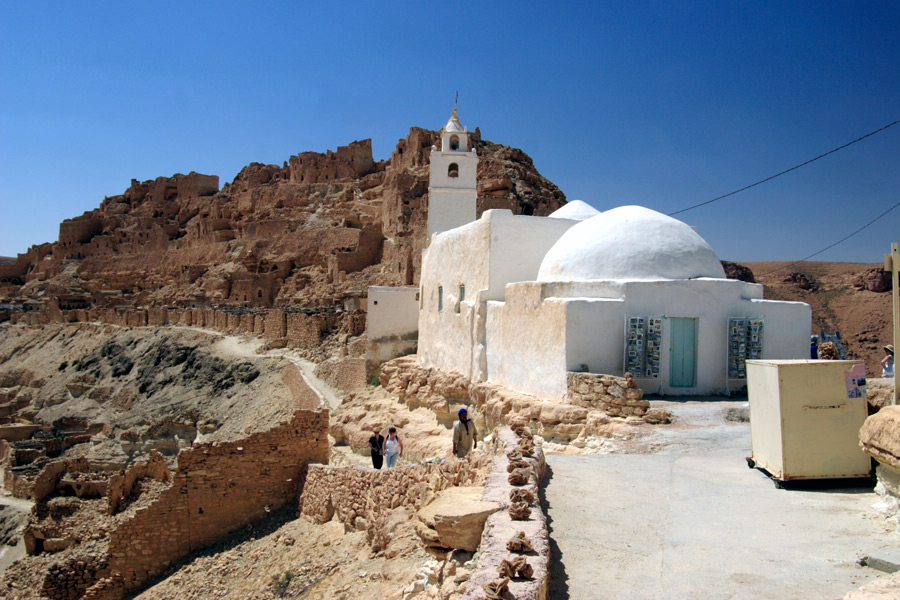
[216, 488]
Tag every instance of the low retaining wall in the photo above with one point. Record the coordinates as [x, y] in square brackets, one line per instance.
[362, 497]
[501, 527]
[617, 396]
[494, 405]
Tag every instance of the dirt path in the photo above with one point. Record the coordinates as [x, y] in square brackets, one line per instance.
[692, 521]
[235, 346]
[9, 554]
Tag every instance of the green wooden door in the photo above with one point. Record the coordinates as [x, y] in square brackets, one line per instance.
[682, 351]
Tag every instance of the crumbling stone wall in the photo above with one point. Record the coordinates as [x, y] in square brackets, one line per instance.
[217, 487]
[618, 396]
[349, 162]
[362, 497]
[344, 373]
[492, 405]
[296, 329]
[121, 485]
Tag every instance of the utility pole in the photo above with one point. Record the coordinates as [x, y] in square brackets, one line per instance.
[892, 264]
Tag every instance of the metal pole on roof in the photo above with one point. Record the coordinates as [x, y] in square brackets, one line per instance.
[892, 264]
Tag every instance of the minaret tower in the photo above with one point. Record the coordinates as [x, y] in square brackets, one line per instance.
[451, 184]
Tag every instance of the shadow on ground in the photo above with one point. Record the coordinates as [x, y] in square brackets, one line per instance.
[559, 586]
[247, 533]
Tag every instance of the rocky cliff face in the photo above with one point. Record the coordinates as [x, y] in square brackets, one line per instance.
[311, 233]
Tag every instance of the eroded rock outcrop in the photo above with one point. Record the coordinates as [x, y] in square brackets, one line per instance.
[311, 234]
[880, 436]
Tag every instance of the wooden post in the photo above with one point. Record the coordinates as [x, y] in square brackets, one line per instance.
[892, 264]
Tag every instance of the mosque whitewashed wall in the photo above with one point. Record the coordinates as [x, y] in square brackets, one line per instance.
[476, 261]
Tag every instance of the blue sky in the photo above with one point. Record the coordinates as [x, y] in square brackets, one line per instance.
[663, 104]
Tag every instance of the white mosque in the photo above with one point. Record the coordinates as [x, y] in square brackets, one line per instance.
[522, 300]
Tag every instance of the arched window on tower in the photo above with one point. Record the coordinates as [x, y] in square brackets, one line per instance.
[454, 143]
[453, 170]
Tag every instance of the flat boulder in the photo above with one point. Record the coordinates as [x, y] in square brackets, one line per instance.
[879, 436]
[562, 413]
[455, 518]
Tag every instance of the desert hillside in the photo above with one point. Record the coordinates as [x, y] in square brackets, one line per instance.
[852, 298]
[307, 235]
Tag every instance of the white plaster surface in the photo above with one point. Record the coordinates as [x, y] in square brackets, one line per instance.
[526, 330]
[483, 256]
[392, 311]
[456, 257]
[452, 200]
[577, 210]
[525, 342]
[517, 329]
[630, 243]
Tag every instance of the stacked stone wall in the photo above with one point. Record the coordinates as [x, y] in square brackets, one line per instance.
[617, 396]
[501, 526]
[297, 329]
[492, 405]
[121, 485]
[344, 373]
[216, 488]
[304, 331]
[362, 497]
[349, 162]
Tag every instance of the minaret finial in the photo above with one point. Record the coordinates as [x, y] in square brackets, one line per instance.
[456, 101]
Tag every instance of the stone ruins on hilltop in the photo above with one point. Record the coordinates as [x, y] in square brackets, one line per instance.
[306, 237]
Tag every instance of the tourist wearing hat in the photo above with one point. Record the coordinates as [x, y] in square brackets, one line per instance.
[887, 363]
[376, 445]
[464, 434]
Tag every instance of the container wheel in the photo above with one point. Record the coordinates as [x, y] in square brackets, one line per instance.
[751, 464]
[779, 484]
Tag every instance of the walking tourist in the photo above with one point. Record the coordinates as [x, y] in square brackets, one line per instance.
[887, 363]
[464, 434]
[393, 448]
[376, 443]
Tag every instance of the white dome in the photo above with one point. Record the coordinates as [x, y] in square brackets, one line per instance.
[575, 210]
[630, 243]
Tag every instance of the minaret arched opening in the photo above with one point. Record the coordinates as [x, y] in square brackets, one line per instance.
[453, 170]
[454, 143]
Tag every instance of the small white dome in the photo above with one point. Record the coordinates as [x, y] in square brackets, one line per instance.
[576, 210]
[630, 243]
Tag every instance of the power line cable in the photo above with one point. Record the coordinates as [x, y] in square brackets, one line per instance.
[794, 168]
[843, 239]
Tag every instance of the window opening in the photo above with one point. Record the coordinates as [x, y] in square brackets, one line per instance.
[440, 298]
[453, 170]
[454, 143]
[462, 292]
